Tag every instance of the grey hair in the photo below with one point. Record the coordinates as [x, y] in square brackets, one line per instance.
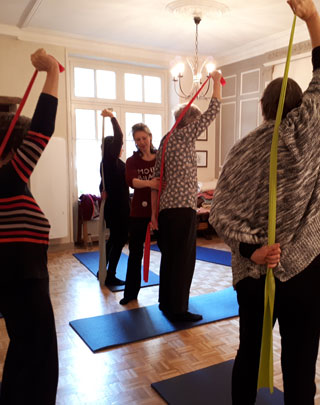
[192, 114]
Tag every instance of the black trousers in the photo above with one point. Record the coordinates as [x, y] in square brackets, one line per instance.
[118, 225]
[30, 374]
[177, 242]
[137, 235]
[297, 308]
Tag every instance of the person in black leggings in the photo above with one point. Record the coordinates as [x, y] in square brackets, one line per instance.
[117, 207]
[30, 373]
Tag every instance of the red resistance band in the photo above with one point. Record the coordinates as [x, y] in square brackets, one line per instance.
[18, 112]
[146, 258]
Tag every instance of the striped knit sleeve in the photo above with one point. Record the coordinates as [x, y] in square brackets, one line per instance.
[41, 129]
[300, 129]
[316, 58]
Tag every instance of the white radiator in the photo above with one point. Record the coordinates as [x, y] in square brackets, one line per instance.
[49, 186]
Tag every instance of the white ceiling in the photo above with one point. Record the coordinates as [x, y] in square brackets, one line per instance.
[250, 27]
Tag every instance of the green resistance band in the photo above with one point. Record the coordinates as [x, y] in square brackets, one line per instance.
[265, 378]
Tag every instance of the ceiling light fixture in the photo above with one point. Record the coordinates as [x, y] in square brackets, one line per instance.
[177, 71]
[200, 67]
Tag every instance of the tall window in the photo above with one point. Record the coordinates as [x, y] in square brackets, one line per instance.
[134, 94]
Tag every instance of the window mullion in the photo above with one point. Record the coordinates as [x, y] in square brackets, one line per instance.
[97, 126]
[143, 100]
[95, 84]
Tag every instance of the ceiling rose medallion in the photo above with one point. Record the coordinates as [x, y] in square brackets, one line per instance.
[197, 7]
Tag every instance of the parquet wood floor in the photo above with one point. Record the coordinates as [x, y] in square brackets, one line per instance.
[122, 375]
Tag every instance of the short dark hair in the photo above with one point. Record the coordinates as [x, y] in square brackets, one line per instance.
[271, 95]
[192, 114]
[18, 134]
[106, 145]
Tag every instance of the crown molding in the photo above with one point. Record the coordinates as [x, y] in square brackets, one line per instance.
[83, 46]
[260, 47]
[10, 31]
[29, 12]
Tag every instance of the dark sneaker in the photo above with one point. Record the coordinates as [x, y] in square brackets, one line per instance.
[184, 317]
[114, 281]
[125, 301]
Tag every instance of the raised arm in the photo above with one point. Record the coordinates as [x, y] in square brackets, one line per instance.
[43, 120]
[116, 145]
[216, 77]
[47, 63]
[307, 11]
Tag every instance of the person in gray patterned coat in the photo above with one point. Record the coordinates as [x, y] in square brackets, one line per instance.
[239, 214]
[177, 211]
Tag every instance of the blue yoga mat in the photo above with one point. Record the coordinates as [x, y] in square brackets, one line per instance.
[105, 331]
[208, 255]
[208, 386]
[91, 261]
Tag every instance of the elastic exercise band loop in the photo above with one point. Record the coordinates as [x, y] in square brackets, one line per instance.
[18, 112]
[265, 378]
[102, 224]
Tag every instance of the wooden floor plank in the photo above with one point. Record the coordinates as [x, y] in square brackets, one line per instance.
[123, 375]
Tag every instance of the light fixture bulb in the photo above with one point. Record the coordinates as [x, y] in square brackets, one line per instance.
[210, 66]
[177, 68]
[197, 78]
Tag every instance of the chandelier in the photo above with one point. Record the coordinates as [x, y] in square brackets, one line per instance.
[200, 67]
[177, 70]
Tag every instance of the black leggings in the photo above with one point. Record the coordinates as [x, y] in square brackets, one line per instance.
[118, 225]
[177, 242]
[30, 374]
[137, 235]
[297, 308]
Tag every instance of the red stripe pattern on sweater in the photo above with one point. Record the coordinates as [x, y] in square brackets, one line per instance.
[21, 220]
[26, 158]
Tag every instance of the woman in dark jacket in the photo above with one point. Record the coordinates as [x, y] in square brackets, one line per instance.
[117, 207]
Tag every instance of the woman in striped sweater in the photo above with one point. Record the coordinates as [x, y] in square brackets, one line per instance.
[30, 373]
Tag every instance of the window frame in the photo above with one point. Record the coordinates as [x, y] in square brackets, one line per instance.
[119, 105]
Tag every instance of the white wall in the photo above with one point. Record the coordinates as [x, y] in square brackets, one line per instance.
[50, 187]
[16, 71]
[300, 70]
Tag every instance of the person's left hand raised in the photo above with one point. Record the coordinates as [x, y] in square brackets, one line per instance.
[216, 75]
[43, 62]
[107, 113]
